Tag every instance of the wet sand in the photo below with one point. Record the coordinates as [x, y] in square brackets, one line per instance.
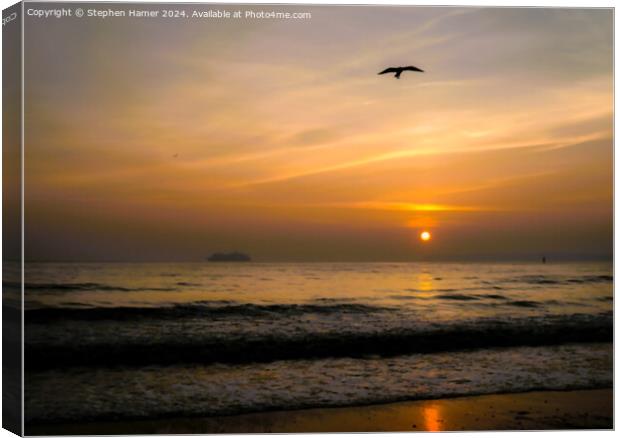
[544, 410]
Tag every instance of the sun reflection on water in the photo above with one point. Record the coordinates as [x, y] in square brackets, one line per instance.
[432, 422]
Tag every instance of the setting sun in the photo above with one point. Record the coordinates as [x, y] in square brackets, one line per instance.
[425, 236]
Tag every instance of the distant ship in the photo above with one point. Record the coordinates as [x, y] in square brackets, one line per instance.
[229, 257]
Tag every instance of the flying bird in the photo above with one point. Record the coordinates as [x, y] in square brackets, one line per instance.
[399, 70]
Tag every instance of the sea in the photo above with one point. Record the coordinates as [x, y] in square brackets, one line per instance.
[119, 341]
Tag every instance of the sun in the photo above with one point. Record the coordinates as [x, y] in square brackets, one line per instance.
[425, 236]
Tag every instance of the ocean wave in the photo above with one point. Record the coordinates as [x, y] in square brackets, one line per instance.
[457, 297]
[194, 309]
[524, 303]
[61, 287]
[108, 394]
[493, 300]
[556, 280]
[494, 296]
[268, 348]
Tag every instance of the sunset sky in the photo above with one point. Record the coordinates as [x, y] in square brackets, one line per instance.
[172, 139]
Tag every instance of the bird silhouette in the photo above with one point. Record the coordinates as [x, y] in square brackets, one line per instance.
[399, 70]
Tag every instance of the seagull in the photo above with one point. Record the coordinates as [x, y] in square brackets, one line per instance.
[399, 70]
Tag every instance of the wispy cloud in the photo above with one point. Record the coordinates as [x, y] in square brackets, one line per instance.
[411, 207]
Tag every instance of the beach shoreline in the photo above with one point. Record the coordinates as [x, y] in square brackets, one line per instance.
[537, 410]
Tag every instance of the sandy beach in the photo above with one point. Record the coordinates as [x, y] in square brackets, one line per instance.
[544, 410]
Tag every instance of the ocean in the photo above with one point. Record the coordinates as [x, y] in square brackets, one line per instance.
[115, 341]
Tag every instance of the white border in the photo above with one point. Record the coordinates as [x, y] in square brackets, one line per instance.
[497, 3]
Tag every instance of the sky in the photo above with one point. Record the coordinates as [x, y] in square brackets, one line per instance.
[166, 140]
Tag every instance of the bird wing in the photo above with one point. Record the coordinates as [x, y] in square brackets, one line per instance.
[389, 70]
[412, 68]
